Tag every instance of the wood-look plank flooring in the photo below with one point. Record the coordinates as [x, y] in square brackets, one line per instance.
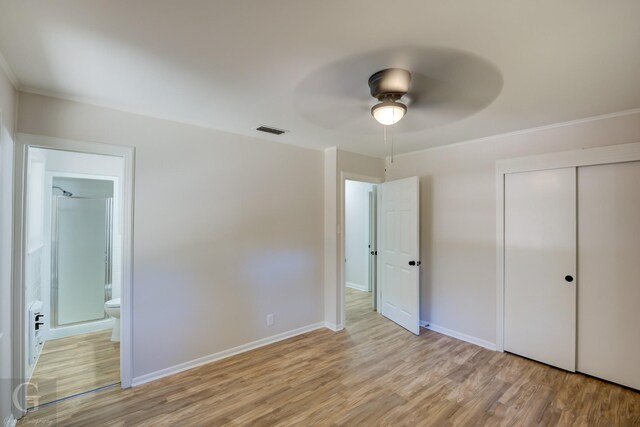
[374, 373]
[76, 364]
[358, 305]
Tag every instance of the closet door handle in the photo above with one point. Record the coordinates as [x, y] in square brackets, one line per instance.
[568, 278]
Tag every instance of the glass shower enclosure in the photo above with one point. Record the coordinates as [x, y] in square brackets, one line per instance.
[81, 259]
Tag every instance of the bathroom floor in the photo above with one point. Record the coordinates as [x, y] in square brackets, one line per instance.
[72, 365]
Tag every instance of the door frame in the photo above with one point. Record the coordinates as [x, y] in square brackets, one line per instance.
[562, 159]
[22, 143]
[344, 176]
[373, 244]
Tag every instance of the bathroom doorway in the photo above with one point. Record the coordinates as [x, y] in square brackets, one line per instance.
[360, 250]
[74, 270]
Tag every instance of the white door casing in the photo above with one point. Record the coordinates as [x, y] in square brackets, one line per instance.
[540, 266]
[372, 246]
[398, 244]
[23, 143]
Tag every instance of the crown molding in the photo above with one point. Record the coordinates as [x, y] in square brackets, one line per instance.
[9, 72]
[52, 94]
[525, 131]
[93, 103]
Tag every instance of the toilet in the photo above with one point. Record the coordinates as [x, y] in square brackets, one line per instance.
[112, 308]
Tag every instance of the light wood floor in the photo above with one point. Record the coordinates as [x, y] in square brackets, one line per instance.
[373, 373]
[76, 364]
[358, 305]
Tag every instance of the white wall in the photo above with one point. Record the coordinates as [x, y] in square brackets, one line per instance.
[356, 230]
[8, 101]
[458, 215]
[8, 98]
[227, 229]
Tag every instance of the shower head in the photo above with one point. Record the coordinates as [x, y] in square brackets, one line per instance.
[64, 192]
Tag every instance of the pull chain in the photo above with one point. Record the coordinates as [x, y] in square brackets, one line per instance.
[392, 128]
[384, 132]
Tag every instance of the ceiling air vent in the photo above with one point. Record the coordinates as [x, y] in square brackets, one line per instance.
[271, 130]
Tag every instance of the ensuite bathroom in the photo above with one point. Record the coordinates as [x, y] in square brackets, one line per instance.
[73, 272]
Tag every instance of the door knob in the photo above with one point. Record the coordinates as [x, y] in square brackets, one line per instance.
[568, 278]
[412, 263]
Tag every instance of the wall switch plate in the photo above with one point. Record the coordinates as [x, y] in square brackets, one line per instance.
[270, 319]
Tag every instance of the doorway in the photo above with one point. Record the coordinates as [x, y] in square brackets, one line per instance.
[74, 240]
[393, 221]
[73, 263]
[360, 250]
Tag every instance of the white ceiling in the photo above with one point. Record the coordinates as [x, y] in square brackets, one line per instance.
[303, 65]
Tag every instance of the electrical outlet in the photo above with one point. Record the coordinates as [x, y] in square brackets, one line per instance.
[270, 319]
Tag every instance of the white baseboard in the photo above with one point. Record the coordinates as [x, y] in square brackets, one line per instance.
[458, 335]
[357, 287]
[333, 326]
[10, 421]
[224, 354]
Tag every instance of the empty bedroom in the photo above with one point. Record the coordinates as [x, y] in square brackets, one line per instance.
[293, 213]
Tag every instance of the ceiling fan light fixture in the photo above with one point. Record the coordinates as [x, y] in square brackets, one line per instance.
[388, 112]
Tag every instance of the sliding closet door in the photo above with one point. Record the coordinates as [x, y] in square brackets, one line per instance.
[540, 264]
[609, 272]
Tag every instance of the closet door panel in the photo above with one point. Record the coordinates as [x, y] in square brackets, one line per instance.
[609, 272]
[540, 251]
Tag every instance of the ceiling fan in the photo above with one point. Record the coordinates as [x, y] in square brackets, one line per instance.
[439, 85]
[388, 86]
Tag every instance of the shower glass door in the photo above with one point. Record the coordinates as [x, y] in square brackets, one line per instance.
[81, 264]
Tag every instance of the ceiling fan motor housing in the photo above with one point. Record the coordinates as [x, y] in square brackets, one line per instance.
[390, 84]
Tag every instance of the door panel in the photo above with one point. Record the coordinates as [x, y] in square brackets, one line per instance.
[609, 271]
[540, 250]
[400, 281]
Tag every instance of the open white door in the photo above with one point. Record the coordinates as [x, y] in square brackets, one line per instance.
[399, 260]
